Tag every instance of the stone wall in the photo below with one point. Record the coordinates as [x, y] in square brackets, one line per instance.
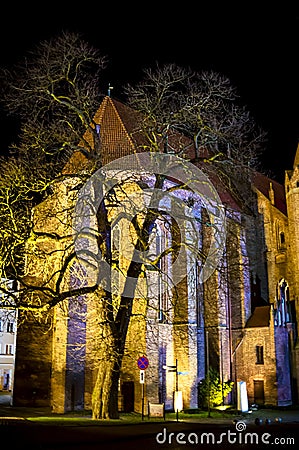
[250, 371]
[32, 384]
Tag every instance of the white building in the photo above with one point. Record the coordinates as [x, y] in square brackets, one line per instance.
[8, 332]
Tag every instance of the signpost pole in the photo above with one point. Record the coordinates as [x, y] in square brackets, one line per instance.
[177, 399]
[142, 364]
[177, 387]
[142, 403]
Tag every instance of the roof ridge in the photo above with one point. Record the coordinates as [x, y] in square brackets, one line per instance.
[101, 110]
[122, 123]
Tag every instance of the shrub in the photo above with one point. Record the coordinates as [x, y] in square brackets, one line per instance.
[217, 391]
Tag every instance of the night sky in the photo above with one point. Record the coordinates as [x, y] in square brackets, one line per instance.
[256, 49]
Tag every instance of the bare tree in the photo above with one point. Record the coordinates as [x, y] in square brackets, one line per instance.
[205, 107]
[55, 94]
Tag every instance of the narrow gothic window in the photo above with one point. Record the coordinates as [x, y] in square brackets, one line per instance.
[282, 237]
[282, 313]
[158, 245]
[259, 354]
[162, 374]
[162, 293]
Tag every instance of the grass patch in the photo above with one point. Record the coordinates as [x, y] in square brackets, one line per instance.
[79, 419]
[201, 414]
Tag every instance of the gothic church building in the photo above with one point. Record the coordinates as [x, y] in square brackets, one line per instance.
[244, 314]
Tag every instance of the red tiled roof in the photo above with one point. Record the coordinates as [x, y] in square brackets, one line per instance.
[262, 183]
[115, 139]
[120, 137]
[225, 195]
[260, 317]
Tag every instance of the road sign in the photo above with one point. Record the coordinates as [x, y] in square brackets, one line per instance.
[142, 362]
[142, 376]
[170, 368]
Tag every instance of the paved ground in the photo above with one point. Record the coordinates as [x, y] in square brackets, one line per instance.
[285, 415]
[23, 433]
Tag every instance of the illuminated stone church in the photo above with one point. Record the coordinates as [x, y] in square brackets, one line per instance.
[245, 313]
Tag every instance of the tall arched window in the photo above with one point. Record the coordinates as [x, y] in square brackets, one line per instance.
[158, 244]
[280, 234]
[282, 315]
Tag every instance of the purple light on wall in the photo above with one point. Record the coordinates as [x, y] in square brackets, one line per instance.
[76, 349]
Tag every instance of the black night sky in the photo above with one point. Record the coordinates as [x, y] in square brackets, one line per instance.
[256, 49]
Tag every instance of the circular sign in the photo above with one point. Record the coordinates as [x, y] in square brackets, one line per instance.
[142, 362]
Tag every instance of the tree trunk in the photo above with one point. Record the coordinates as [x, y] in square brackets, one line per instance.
[102, 390]
[105, 392]
[113, 401]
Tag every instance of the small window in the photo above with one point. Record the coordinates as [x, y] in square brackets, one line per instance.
[297, 184]
[9, 327]
[282, 237]
[9, 349]
[259, 354]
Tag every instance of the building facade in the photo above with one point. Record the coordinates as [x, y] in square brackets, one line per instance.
[267, 355]
[244, 314]
[8, 333]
